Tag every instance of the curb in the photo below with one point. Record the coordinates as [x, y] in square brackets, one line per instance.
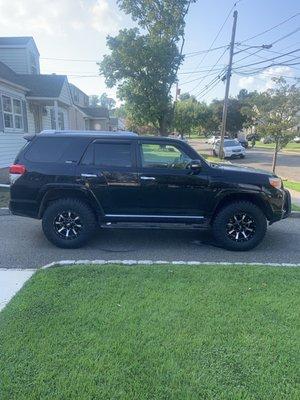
[4, 211]
[66, 263]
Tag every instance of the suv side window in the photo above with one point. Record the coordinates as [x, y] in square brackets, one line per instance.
[54, 149]
[161, 155]
[108, 155]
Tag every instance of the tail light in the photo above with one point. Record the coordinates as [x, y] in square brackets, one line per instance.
[15, 171]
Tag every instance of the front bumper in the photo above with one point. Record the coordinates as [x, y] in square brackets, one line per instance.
[287, 207]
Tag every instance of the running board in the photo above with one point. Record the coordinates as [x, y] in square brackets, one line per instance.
[153, 225]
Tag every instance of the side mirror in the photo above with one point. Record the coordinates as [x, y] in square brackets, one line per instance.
[195, 165]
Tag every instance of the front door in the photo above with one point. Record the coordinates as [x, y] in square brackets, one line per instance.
[108, 168]
[168, 186]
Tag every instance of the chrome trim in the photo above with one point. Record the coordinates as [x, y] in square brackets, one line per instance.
[153, 216]
[148, 178]
[89, 175]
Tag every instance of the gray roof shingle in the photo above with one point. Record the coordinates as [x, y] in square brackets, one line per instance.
[15, 41]
[36, 85]
[43, 85]
[95, 112]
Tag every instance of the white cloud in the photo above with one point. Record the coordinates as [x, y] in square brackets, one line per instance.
[264, 80]
[104, 17]
[56, 17]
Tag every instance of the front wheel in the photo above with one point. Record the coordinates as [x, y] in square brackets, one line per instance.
[69, 223]
[239, 226]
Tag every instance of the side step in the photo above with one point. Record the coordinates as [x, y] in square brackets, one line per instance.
[152, 225]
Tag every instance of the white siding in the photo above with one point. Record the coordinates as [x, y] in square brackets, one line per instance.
[46, 119]
[10, 144]
[15, 58]
[65, 95]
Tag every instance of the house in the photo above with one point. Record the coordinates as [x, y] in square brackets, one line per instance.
[31, 102]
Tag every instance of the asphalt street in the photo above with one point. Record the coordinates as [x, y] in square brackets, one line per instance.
[288, 163]
[23, 245]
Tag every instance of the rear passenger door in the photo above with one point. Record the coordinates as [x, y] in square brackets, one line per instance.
[108, 168]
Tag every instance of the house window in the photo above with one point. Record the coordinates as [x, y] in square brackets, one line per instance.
[12, 113]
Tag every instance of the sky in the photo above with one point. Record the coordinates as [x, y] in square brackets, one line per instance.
[71, 38]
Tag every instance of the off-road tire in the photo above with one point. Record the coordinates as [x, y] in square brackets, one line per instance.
[224, 220]
[87, 223]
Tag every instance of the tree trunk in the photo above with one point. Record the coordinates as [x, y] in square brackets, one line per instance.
[163, 127]
[275, 156]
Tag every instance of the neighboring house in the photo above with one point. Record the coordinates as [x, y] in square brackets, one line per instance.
[31, 102]
[117, 124]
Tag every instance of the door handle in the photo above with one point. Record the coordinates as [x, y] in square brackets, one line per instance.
[89, 175]
[148, 178]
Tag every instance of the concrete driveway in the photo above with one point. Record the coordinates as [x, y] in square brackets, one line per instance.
[288, 164]
[23, 245]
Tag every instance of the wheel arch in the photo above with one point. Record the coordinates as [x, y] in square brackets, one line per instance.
[58, 193]
[254, 198]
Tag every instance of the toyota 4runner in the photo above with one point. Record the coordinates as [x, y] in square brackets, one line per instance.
[77, 182]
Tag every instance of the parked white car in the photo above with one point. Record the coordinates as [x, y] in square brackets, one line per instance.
[232, 148]
[297, 139]
[212, 140]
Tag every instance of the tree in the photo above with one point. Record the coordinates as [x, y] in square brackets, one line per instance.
[190, 115]
[94, 101]
[235, 118]
[277, 114]
[144, 66]
[106, 102]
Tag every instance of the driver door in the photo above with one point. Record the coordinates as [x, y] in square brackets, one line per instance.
[167, 186]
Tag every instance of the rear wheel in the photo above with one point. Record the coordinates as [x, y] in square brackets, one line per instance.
[69, 223]
[239, 226]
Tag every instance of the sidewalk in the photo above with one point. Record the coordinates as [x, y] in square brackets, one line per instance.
[4, 179]
[11, 281]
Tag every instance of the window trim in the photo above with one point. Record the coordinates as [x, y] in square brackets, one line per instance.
[12, 113]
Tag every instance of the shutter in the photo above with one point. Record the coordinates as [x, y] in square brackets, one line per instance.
[1, 116]
[25, 119]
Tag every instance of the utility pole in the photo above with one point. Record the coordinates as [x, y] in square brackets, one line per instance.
[228, 76]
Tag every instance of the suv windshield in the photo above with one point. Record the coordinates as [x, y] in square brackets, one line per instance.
[230, 143]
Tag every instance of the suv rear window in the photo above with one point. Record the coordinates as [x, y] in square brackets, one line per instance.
[108, 155]
[52, 149]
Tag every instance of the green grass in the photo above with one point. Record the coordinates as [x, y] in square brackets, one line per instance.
[292, 185]
[4, 197]
[295, 207]
[292, 146]
[153, 332]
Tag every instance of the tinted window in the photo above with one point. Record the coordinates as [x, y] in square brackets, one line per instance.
[163, 156]
[113, 154]
[53, 149]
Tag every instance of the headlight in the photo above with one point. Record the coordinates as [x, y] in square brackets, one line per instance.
[276, 182]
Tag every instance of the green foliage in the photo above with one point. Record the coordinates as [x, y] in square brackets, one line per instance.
[106, 102]
[235, 117]
[144, 66]
[191, 116]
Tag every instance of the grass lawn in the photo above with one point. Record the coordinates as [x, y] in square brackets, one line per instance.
[295, 207]
[292, 185]
[292, 146]
[153, 332]
[4, 197]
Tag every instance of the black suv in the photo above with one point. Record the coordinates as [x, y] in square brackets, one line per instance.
[77, 182]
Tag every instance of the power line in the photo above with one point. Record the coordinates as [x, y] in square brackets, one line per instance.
[270, 29]
[198, 84]
[217, 35]
[269, 59]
